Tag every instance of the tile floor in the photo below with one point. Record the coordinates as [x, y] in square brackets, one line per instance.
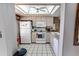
[38, 49]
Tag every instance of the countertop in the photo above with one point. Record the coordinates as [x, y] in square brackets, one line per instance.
[56, 34]
[46, 31]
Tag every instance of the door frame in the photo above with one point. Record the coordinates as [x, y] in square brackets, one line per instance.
[62, 23]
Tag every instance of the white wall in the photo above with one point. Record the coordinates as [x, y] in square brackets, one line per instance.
[8, 42]
[62, 18]
[69, 49]
[3, 47]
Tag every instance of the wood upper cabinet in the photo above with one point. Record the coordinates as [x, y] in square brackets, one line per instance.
[57, 23]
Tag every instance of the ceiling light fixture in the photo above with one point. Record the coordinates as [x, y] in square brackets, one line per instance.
[54, 10]
[20, 9]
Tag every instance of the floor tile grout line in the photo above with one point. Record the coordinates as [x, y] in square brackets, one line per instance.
[46, 50]
[41, 50]
[29, 46]
[51, 50]
[33, 49]
[40, 47]
[37, 50]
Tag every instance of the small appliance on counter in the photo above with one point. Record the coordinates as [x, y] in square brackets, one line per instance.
[49, 28]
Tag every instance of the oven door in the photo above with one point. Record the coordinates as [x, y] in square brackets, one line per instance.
[41, 37]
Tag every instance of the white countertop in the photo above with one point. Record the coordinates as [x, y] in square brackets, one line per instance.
[55, 34]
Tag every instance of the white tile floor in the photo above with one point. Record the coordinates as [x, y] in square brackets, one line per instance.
[38, 49]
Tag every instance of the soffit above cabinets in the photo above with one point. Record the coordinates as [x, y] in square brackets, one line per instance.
[36, 9]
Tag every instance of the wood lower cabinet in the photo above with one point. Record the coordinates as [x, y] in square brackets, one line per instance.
[57, 23]
[33, 37]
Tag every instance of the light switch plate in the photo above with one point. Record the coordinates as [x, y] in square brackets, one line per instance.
[0, 35]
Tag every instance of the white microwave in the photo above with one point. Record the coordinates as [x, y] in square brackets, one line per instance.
[40, 24]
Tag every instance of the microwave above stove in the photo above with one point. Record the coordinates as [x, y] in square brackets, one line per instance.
[40, 24]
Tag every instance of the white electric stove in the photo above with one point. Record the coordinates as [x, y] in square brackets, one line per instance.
[41, 37]
[41, 32]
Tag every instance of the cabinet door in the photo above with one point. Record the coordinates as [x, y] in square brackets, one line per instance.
[57, 23]
[33, 36]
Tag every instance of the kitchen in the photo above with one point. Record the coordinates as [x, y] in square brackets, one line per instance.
[43, 28]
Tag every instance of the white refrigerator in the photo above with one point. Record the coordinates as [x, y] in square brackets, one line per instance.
[25, 31]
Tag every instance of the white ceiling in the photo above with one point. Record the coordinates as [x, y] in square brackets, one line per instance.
[24, 9]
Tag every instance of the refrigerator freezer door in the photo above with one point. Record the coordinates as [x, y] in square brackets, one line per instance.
[24, 24]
